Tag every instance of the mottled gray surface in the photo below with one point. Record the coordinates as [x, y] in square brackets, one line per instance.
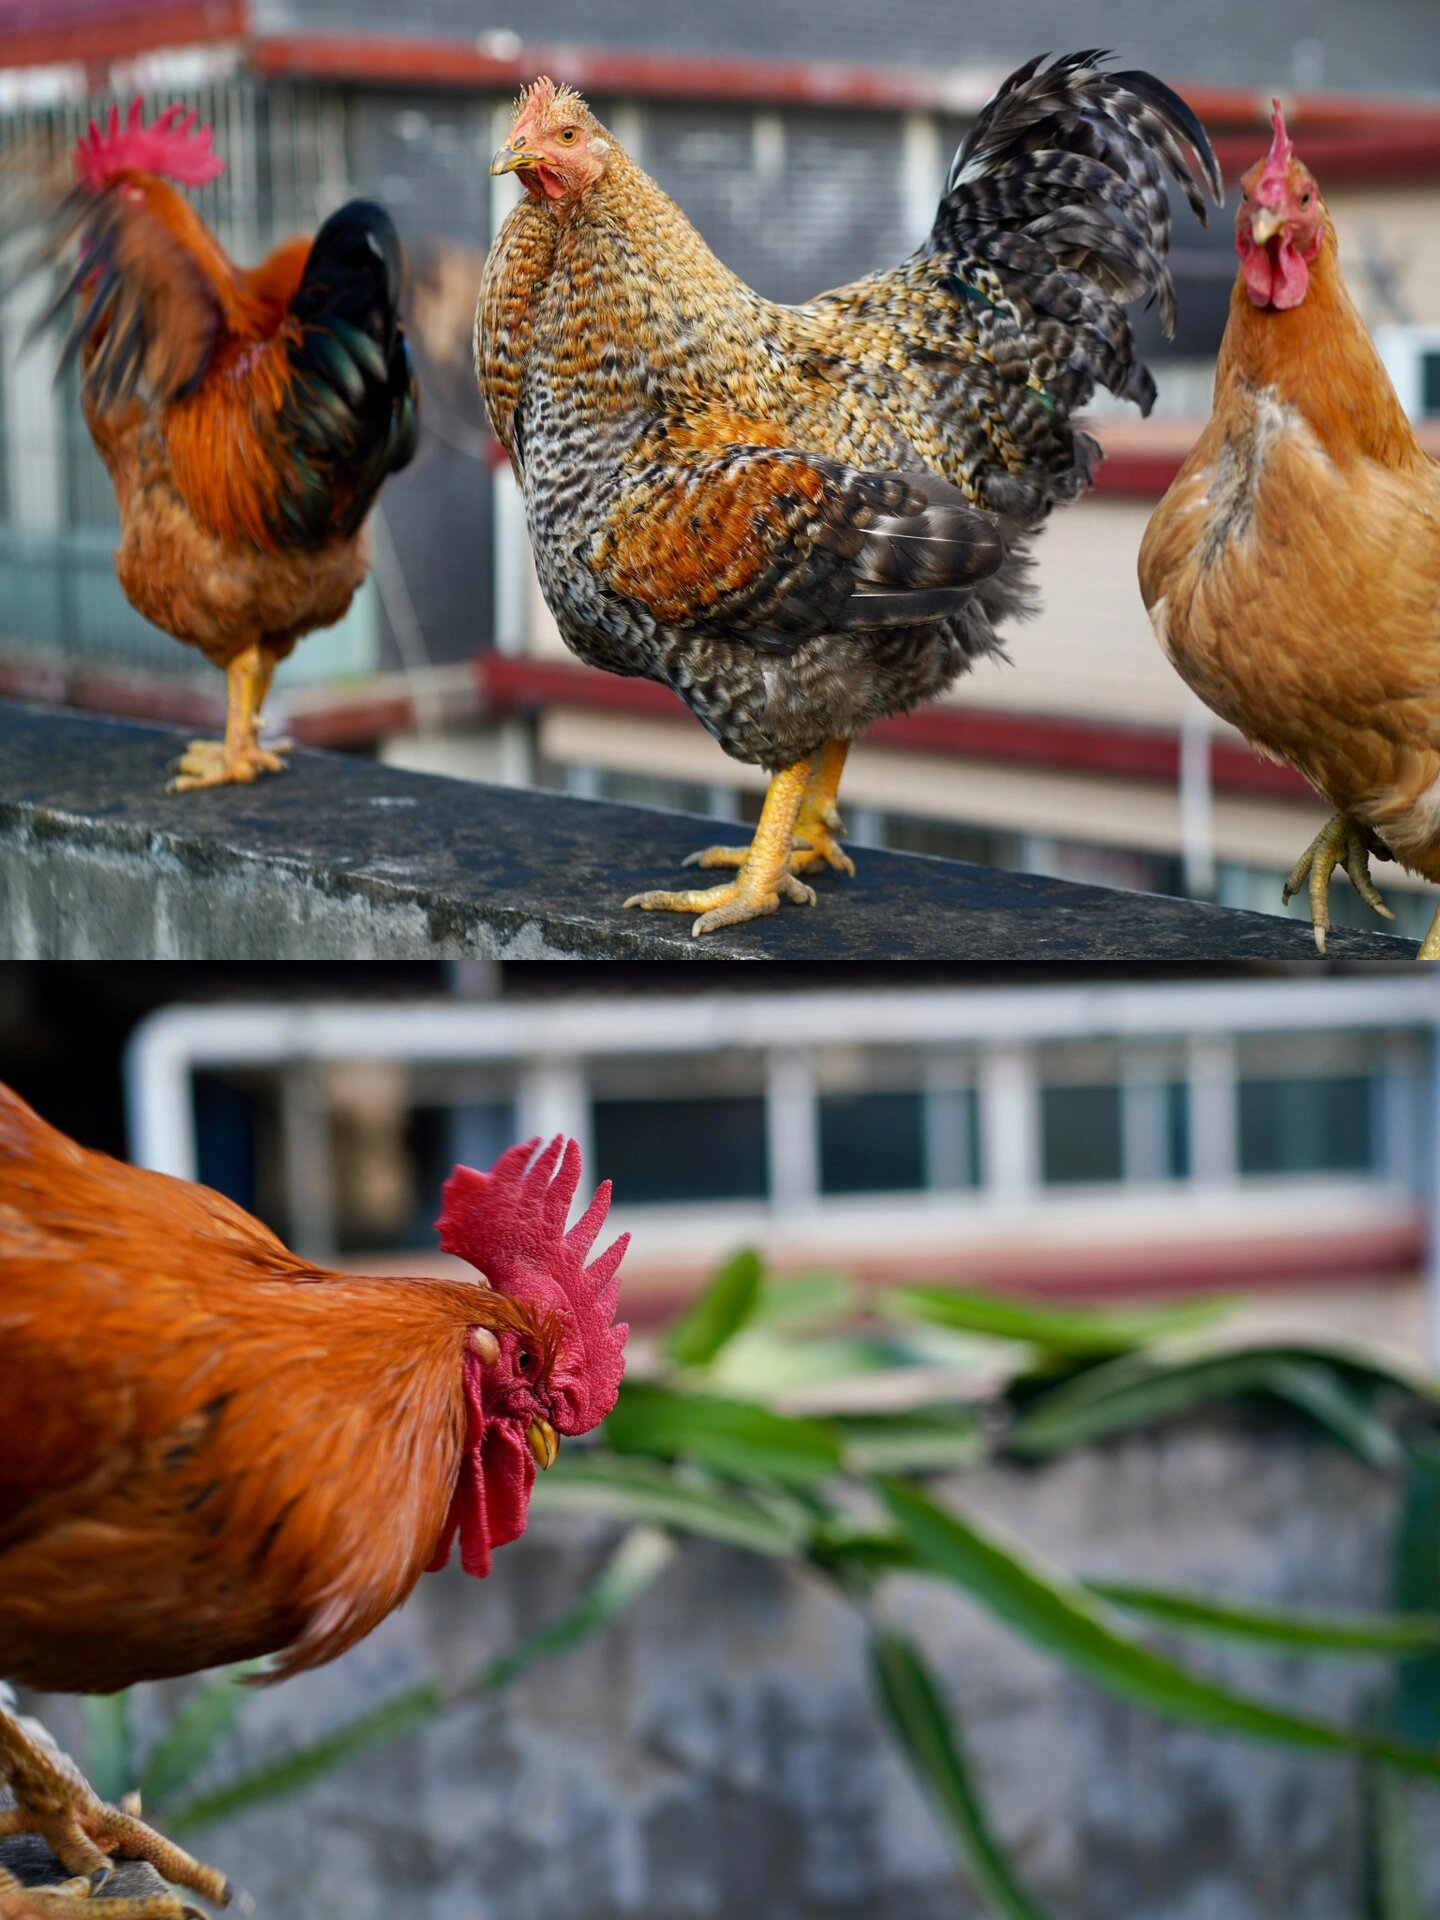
[340, 859]
[717, 1755]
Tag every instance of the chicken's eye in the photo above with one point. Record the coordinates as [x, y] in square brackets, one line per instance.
[524, 1359]
[567, 136]
[1305, 199]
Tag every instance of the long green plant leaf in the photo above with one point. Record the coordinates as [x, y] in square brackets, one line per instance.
[638, 1490]
[1141, 1388]
[109, 1744]
[726, 1304]
[1055, 1613]
[629, 1571]
[1394, 1870]
[928, 1738]
[1416, 1710]
[930, 1440]
[1072, 1330]
[1399, 1636]
[733, 1437]
[195, 1734]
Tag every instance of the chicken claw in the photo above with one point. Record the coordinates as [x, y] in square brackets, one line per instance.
[239, 758]
[1340, 843]
[764, 878]
[813, 841]
[209, 763]
[53, 1799]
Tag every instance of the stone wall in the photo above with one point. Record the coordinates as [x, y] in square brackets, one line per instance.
[717, 1754]
[341, 859]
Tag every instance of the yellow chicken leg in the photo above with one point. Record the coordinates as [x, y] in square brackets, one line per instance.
[764, 877]
[53, 1799]
[1340, 843]
[813, 842]
[239, 758]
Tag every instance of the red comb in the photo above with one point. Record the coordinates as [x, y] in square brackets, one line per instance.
[510, 1223]
[1282, 150]
[170, 145]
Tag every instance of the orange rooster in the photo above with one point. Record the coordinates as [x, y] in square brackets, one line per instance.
[211, 1450]
[1292, 572]
[247, 417]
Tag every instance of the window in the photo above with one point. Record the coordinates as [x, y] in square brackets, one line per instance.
[871, 1143]
[664, 1150]
[1430, 384]
[1177, 1130]
[1080, 1134]
[1306, 1124]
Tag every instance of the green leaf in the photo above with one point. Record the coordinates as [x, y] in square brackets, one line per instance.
[1141, 1388]
[1394, 1869]
[733, 1437]
[806, 1300]
[759, 1362]
[930, 1440]
[1397, 1635]
[206, 1720]
[1417, 1584]
[109, 1744]
[1055, 1613]
[1061, 1329]
[403, 1714]
[641, 1555]
[927, 1738]
[720, 1311]
[636, 1561]
[1316, 1389]
[636, 1490]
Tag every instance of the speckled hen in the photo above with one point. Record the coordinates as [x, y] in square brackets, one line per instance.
[803, 518]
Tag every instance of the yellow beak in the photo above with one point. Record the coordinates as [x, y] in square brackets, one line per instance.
[512, 159]
[1265, 223]
[544, 1442]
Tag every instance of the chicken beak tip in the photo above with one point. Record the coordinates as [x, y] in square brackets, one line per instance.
[508, 160]
[544, 1442]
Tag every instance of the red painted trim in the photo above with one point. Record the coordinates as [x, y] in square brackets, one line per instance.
[1141, 476]
[96, 35]
[1407, 153]
[432, 60]
[345, 721]
[514, 683]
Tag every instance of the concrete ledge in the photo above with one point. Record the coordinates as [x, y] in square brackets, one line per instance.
[34, 1865]
[342, 859]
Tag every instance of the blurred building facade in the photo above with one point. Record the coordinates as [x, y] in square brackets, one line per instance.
[806, 158]
[1115, 1140]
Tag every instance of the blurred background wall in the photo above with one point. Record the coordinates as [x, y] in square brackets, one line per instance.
[808, 147]
[1121, 1138]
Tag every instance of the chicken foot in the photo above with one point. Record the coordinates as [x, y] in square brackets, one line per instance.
[1340, 843]
[764, 877]
[54, 1800]
[814, 841]
[239, 758]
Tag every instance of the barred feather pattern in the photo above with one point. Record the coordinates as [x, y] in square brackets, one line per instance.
[803, 518]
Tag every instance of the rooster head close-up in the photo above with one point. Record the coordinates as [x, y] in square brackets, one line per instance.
[558, 1371]
[1279, 224]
